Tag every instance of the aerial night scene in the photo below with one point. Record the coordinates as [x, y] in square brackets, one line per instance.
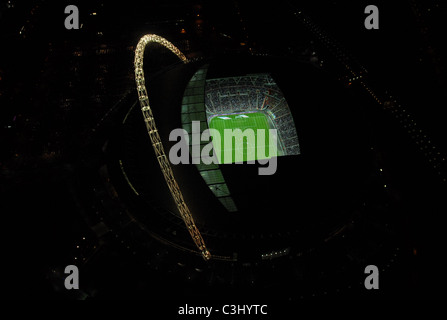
[223, 158]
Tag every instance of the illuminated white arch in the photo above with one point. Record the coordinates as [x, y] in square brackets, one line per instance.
[163, 161]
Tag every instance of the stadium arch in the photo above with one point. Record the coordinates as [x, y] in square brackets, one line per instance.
[157, 144]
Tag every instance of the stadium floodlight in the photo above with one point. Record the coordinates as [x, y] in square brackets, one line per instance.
[157, 144]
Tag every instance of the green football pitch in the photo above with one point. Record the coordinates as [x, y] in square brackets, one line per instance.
[248, 123]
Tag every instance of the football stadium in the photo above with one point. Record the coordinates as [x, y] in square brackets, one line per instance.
[307, 227]
[204, 152]
[231, 212]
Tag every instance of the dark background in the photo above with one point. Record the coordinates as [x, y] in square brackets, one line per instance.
[48, 109]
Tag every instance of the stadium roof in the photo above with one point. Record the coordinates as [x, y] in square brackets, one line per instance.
[310, 194]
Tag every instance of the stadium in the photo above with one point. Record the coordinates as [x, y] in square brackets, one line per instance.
[230, 215]
[204, 153]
